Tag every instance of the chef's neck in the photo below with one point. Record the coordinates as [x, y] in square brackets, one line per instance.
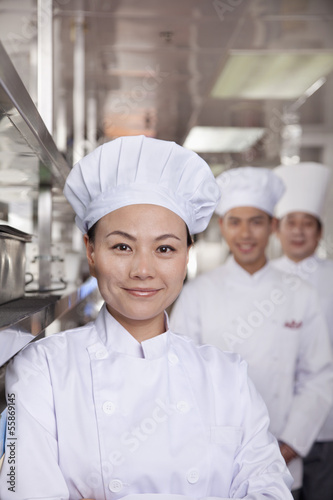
[254, 266]
[141, 329]
[296, 259]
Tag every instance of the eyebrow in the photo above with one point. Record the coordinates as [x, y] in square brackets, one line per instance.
[257, 217]
[234, 217]
[305, 216]
[132, 238]
[166, 236]
[253, 217]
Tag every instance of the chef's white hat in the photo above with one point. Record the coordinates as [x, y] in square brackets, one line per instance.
[141, 170]
[306, 191]
[249, 187]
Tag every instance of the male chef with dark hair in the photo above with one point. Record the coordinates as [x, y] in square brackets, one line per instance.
[271, 319]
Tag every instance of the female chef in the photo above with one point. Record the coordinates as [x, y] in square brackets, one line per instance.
[122, 407]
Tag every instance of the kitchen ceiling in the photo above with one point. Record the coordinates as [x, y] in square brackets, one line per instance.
[151, 65]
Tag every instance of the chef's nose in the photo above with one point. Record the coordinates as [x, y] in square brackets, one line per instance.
[245, 230]
[297, 228]
[142, 265]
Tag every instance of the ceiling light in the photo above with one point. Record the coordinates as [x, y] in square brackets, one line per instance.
[271, 75]
[222, 139]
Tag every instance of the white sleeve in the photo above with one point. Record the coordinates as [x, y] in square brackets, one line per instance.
[31, 454]
[260, 470]
[314, 382]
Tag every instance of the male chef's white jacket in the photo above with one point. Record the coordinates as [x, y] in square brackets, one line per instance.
[99, 415]
[274, 322]
[318, 272]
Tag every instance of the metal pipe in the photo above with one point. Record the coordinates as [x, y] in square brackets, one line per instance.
[45, 108]
[91, 121]
[44, 236]
[45, 63]
[79, 90]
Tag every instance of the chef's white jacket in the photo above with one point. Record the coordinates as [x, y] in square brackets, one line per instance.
[274, 322]
[99, 415]
[318, 272]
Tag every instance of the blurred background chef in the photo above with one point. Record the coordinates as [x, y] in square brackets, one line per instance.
[275, 323]
[301, 214]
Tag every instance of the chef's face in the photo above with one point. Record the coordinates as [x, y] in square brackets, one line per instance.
[299, 234]
[247, 231]
[139, 256]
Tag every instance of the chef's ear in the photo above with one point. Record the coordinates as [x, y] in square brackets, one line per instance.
[90, 252]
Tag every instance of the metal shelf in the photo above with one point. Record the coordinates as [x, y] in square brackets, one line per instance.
[22, 320]
[40, 310]
[19, 109]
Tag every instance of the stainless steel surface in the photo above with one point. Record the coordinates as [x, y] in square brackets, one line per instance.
[12, 269]
[152, 64]
[12, 263]
[45, 62]
[45, 236]
[30, 165]
[18, 111]
[79, 88]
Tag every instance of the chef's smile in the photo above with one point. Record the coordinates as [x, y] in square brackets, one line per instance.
[298, 243]
[142, 292]
[246, 247]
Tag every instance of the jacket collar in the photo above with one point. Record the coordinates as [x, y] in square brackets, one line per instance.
[293, 266]
[240, 274]
[116, 338]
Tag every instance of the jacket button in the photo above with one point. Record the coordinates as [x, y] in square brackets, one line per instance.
[192, 476]
[173, 358]
[109, 407]
[115, 485]
[182, 406]
[101, 354]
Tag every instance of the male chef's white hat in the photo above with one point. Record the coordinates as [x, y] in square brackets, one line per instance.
[249, 187]
[141, 170]
[306, 191]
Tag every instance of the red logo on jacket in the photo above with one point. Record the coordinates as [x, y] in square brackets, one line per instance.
[293, 324]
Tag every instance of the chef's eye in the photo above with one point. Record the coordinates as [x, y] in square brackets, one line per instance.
[233, 222]
[165, 249]
[122, 247]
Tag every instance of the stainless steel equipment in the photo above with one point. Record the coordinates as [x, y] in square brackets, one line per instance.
[12, 263]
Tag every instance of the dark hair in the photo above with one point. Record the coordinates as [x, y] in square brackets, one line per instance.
[92, 231]
[189, 237]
